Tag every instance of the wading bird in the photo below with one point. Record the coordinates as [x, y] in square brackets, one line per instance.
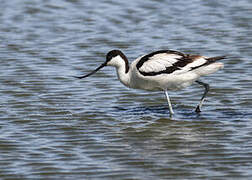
[162, 70]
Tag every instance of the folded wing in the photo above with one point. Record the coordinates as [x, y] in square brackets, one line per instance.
[171, 62]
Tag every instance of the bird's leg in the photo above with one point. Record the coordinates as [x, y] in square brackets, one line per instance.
[169, 103]
[206, 86]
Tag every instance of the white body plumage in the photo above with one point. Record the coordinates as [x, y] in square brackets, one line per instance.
[162, 71]
[178, 79]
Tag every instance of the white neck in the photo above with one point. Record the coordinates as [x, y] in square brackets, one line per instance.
[122, 76]
[120, 66]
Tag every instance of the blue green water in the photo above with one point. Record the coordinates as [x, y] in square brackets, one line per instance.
[53, 126]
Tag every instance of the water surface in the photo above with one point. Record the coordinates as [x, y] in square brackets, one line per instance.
[53, 126]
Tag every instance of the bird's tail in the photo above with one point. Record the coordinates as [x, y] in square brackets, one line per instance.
[210, 66]
[217, 58]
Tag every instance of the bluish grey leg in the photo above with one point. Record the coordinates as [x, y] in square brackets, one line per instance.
[206, 86]
[169, 103]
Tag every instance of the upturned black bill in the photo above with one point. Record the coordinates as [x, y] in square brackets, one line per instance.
[94, 71]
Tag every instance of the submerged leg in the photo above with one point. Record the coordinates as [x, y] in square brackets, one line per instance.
[169, 103]
[206, 86]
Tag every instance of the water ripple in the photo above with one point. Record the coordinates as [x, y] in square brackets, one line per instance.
[54, 126]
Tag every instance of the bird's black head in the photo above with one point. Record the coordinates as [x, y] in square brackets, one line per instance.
[110, 61]
[113, 53]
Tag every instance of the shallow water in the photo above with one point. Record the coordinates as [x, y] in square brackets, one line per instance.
[53, 126]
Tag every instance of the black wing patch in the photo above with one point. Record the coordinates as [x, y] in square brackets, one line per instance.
[181, 61]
